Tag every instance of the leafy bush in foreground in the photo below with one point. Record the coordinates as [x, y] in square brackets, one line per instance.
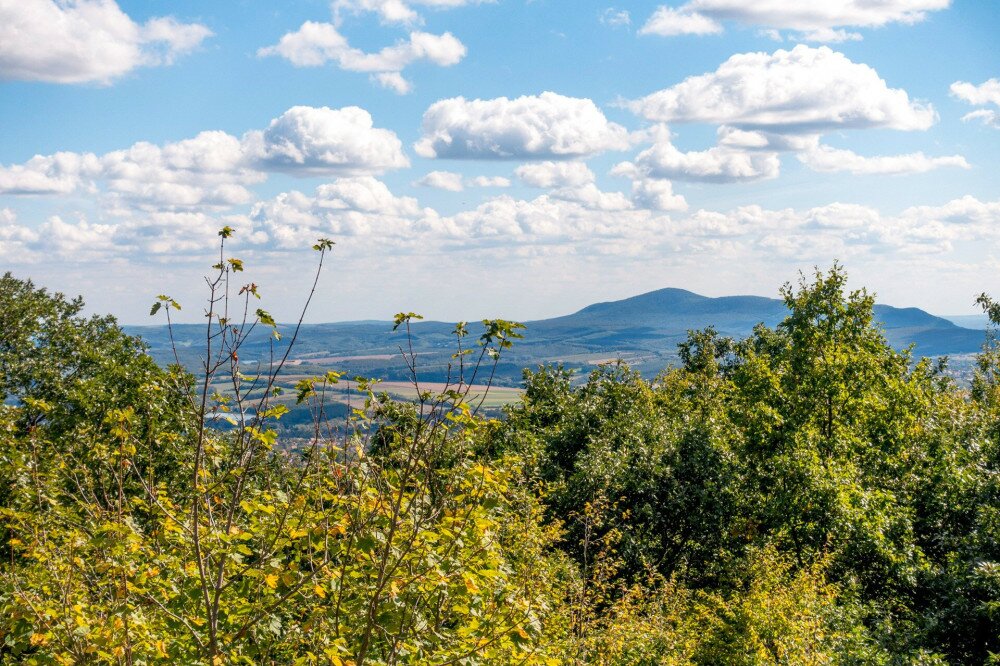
[805, 496]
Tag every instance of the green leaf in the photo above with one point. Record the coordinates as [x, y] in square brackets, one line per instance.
[265, 318]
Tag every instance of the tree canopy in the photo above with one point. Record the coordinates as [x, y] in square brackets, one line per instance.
[808, 495]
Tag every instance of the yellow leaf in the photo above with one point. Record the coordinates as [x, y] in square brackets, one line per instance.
[38, 639]
[271, 580]
[320, 592]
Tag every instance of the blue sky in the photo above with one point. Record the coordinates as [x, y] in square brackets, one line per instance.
[511, 158]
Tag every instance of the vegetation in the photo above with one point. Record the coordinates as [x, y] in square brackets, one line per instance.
[807, 495]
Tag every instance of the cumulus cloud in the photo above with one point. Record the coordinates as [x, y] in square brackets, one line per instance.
[827, 159]
[86, 41]
[358, 206]
[325, 141]
[732, 137]
[214, 169]
[720, 164]
[656, 195]
[15, 239]
[488, 181]
[550, 174]
[210, 169]
[651, 222]
[813, 234]
[546, 126]
[571, 216]
[316, 44]
[765, 104]
[442, 180]
[589, 196]
[801, 91]
[984, 94]
[816, 234]
[454, 182]
[60, 173]
[813, 21]
[667, 22]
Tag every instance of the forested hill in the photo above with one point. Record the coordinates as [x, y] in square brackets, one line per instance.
[644, 330]
[673, 312]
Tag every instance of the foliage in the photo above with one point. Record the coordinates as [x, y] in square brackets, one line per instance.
[807, 495]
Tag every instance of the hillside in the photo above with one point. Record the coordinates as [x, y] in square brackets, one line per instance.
[644, 330]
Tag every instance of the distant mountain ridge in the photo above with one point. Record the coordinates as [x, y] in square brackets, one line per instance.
[672, 312]
[644, 330]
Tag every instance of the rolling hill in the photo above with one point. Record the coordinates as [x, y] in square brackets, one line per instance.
[644, 330]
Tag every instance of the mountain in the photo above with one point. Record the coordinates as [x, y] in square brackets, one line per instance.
[644, 330]
[670, 313]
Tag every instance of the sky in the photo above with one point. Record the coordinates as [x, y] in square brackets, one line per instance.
[514, 158]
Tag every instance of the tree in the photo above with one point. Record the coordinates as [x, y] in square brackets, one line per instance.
[204, 545]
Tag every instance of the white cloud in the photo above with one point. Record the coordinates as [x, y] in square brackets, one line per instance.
[60, 173]
[720, 164]
[657, 195]
[488, 181]
[841, 216]
[78, 240]
[827, 160]
[393, 81]
[986, 116]
[15, 239]
[209, 169]
[592, 198]
[824, 232]
[442, 180]
[213, 169]
[324, 141]
[396, 11]
[361, 206]
[667, 22]
[555, 174]
[453, 182]
[732, 137]
[830, 35]
[573, 216]
[802, 91]
[985, 93]
[545, 126]
[615, 17]
[316, 44]
[86, 41]
[815, 21]
[781, 102]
